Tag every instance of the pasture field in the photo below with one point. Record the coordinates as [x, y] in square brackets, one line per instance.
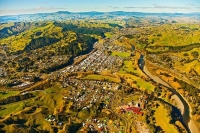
[162, 120]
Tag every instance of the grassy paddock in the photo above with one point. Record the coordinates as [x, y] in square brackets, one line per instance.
[101, 77]
[7, 94]
[142, 84]
[121, 54]
[162, 120]
[11, 108]
[174, 35]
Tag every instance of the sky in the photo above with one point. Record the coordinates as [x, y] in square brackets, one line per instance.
[13, 7]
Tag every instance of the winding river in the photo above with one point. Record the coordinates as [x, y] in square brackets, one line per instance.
[186, 110]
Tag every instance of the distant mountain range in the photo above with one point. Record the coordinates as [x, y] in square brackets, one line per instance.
[65, 15]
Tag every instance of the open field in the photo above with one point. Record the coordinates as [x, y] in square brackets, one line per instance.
[12, 108]
[5, 94]
[108, 34]
[188, 67]
[187, 54]
[162, 120]
[174, 35]
[19, 42]
[137, 82]
[192, 63]
[101, 77]
[86, 75]
[121, 54]
[131, 67]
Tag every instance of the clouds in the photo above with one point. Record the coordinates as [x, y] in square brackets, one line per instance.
[134, 7]
[45, 8]
[31, 10]
[190, 4]
[14, 7]
[114, 7]
[170, 7]
[163, 8]
[160, 7]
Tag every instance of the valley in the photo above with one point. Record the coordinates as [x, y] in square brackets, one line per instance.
[124, 74]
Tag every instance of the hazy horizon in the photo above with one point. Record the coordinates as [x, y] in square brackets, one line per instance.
[94, 11]
[16, 7]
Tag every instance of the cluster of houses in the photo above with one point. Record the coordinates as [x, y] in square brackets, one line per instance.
[90, 83]
[34, 62]
[24, 84]
[112, 47]
[95, 124]
[51, 61]
[85, 93]
[52, 118]
[96, 61]
[3, 72]
[24, 81]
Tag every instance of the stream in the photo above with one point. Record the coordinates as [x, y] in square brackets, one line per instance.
[186, 110]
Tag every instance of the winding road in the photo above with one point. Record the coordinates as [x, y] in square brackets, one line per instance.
[123, 118]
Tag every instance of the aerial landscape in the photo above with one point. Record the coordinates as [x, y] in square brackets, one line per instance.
[99, 66]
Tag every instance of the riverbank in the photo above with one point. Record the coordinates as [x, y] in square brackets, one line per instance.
[178, 103]
[193, 128]
[174, 97]
[191, 125]
[155, 78]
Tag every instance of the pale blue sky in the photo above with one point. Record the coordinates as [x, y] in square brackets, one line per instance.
[8, 7]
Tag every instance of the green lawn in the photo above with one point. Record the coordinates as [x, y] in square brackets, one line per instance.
[130, 67]
[187, 67]
[19, 42]
[101, 77]
[7, 94]
[187, 25]
[157, 50]
[174, 35]
[181, 54]
[162, 120]
[121, 54]
[108, 34]
[140, 46]
[145, 85]
[11, 108]
[142, 84]
[132, 98]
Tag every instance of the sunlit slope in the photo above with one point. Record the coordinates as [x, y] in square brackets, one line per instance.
[19, 42]
[174, 35]
[50, 33]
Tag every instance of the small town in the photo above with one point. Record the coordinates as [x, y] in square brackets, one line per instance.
[99, 66]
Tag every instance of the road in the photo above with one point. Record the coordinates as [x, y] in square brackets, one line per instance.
[120, 116]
